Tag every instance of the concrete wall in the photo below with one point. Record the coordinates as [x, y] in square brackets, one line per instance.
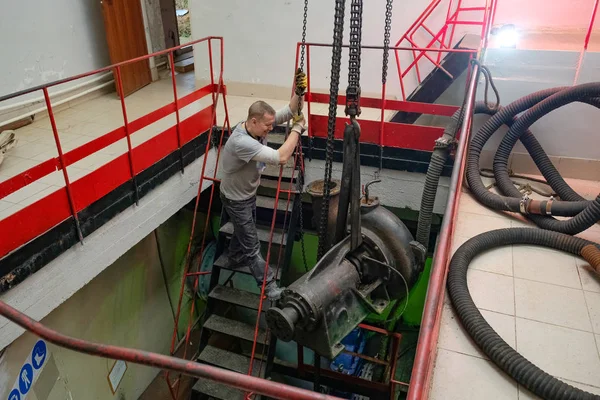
[125, 305]
[48, 40]
[260, 42]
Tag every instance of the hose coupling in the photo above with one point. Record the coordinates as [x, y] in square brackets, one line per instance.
[524, 205]
[444, 142]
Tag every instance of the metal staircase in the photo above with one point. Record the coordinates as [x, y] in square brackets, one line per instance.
[227, 336]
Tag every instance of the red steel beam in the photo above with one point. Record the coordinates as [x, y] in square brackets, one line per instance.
[186, 367]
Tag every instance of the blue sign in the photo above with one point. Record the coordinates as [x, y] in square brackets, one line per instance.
[25, 378]
[14, 395]
[38, 355]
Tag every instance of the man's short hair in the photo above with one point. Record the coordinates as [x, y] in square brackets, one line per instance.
[258, 109]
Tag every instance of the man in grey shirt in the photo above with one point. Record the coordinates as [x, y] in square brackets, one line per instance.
[243, 159]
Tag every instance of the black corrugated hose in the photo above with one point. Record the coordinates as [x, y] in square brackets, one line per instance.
[519, 116]
[441, 151]
[504, 356]
[534, 106]
[439, 156]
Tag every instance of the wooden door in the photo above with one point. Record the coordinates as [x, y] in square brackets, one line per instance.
[126, 38]
[169, 20]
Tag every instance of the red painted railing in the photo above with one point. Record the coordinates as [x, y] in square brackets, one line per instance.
[442, 39]
[37, 218]
[381, 132]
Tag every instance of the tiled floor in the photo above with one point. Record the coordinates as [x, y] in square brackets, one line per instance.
[544, 303]
[83, 121]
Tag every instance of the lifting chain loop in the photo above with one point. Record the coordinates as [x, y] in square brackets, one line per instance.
[353, 91]
[338, 33]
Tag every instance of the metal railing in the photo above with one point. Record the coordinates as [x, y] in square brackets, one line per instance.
[438, 38]
[69, 201]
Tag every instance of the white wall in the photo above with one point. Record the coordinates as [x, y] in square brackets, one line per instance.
[260, 39]
[536, 14]
[566, 132]
[126, 305]
[43, 41]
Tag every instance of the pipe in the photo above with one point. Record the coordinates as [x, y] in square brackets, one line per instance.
[58, 103]
[504, 356]
[433, 302]
[186, 367]
[57, 93]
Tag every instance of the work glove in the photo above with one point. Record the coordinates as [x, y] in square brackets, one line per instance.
[301, 82]
[299, 124]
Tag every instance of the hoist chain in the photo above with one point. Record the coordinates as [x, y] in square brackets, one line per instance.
[353, 90]
[386, 40]
[384, 68]
[338, 33]
[301, 177]
[303, 47]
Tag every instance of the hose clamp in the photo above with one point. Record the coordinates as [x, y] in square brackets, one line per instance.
[444, 143]
[549, 205]
[523, 204]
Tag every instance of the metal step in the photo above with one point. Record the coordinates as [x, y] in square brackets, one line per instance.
[221, 262]
[233, 328]
[228, 360]
[263, 233]
[273, 171]
[216, 390]
[269, 202]
[235, 296]
[271, 184]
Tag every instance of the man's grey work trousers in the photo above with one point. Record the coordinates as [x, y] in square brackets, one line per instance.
[244, 248]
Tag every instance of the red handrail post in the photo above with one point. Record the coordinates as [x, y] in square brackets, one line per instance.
[127, 133]
[63, 165]
[591, 26]
[176, 100]
[400, 75]
[310, 133]
[212, 80]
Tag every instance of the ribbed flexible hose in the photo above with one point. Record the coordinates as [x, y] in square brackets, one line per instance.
[434, 171]
[536, 105]
[504, 356]
[590, 214]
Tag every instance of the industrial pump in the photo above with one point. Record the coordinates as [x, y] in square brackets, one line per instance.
[324, 305]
